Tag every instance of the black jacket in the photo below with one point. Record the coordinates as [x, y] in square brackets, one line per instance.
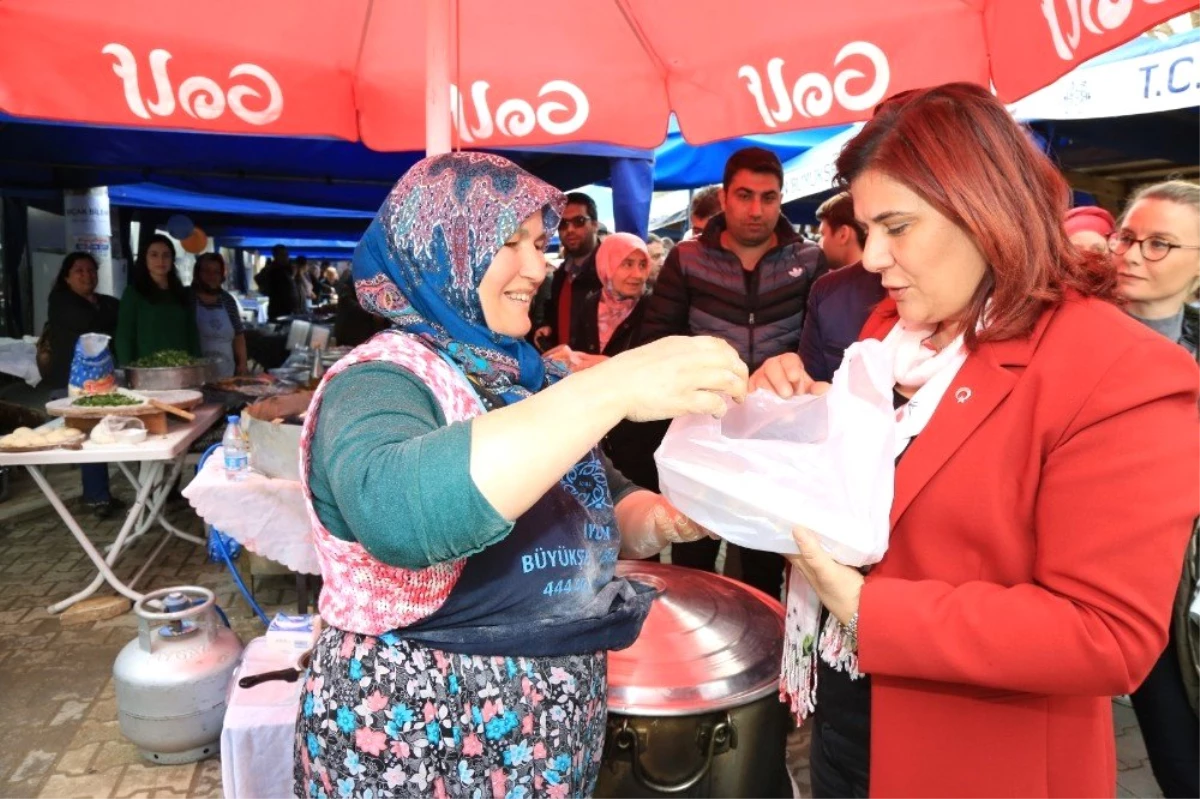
[630, 446]
[703, 290]
[285, 293]
[838, 306]
[588, 335]
[1187, 634]
[70, 316]
[585, 283]
[352, 324]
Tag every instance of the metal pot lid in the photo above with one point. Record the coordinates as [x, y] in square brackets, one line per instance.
[709, 644]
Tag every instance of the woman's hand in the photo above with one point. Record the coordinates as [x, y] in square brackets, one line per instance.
[676, 376]
[584, 360]
[672, 527]
[785, 377]
[572, 359]
[838, 587]
[561, 353]
[648, 523]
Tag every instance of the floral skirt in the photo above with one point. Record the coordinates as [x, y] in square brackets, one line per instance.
[383, 717]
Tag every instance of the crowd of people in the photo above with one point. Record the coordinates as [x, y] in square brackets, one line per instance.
[1043, 546]
[157, 312]
[1046, 484]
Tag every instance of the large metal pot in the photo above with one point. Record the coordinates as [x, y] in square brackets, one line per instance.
[693, 707]
[167, 378]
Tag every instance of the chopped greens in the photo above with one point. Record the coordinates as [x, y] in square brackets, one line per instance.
[165, 359]
[112, 400]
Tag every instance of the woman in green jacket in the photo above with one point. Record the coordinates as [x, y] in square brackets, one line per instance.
[155, 312]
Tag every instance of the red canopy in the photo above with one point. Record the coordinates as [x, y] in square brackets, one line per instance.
[533, 72]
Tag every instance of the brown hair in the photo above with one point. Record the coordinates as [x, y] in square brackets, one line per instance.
[838, 212]
[753, 159]
[706, 203]
[959, 149]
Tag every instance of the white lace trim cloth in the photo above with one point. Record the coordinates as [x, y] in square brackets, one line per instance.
[266, 515]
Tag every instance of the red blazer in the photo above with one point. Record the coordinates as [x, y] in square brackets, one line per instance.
[1038, 528]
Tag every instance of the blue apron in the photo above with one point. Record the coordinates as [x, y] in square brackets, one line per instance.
[548, 588]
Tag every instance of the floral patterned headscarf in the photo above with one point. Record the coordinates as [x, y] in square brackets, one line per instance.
[421, 261]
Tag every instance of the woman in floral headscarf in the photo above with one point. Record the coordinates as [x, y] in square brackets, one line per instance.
[466, 524]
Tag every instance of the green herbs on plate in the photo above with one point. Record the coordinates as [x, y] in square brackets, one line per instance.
[111, 400]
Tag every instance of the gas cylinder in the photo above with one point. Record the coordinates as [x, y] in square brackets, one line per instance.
[173, 679]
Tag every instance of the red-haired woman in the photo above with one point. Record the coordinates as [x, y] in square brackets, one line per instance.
[1045, 487]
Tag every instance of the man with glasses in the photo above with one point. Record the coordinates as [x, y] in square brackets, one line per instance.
[578, 233]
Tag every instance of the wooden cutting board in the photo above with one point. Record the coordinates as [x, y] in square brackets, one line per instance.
[182, 398]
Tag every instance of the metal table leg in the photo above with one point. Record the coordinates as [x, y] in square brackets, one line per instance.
[152, 493]
[153, 511]
[102, 564]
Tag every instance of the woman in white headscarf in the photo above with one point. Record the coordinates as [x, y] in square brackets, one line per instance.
[610, 319]
[623, 266]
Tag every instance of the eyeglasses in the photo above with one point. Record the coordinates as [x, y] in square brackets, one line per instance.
[574, 221]
[1153, 249]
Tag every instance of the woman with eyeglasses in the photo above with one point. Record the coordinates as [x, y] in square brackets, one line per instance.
[1158, 259]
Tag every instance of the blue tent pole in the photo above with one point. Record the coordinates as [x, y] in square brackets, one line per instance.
[632, 186]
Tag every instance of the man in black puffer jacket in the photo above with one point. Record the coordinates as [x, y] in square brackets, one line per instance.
[745, 280]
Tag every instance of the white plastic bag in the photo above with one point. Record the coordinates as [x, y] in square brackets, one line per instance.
[826, 463]
[119, 430]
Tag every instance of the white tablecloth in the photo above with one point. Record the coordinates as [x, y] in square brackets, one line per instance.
[179, 436]
[257, 739]
[266, 515]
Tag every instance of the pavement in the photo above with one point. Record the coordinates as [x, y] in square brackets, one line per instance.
[61, 736]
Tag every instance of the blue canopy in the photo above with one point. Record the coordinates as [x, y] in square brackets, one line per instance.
[323, 173]
[679, 165]
[293, 243]
[153, 195]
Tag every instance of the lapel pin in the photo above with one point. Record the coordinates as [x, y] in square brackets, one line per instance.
[962, 395]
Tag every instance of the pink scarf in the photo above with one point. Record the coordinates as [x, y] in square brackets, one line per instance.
[614, 308]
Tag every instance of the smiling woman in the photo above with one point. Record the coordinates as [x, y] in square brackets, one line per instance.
[1045, 486]
[156, 311]
[509, 286]
[467, 523]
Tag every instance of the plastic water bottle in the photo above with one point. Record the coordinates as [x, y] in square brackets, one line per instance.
[237, 459]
